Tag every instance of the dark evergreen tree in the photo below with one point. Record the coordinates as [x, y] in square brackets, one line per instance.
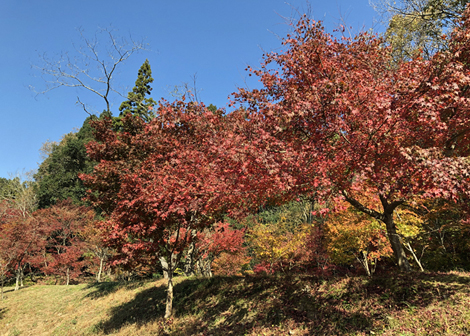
[136, 102]
[57, 176]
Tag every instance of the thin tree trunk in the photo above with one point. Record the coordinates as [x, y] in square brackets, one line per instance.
[3, 281]
[374, 266]
[98, 277]
[164, 264]
[188, 265]
[45, 260]
[21, 277]
[67, 281]
[208, 267]
[198, 267]
[171, 266]
[17, 285]
[408, 246]
[362, 258]
[173, 261]
[169, 296]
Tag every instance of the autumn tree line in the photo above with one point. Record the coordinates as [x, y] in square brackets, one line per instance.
[353, 156]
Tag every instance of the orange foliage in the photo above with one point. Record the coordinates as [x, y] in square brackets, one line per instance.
[353, 235]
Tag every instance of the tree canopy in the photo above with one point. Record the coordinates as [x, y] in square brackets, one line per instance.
[355, 123]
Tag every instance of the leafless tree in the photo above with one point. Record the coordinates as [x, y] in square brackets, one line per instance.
[187, 90]
[91, 65]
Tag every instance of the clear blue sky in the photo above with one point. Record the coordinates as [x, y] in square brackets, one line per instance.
[214, 39]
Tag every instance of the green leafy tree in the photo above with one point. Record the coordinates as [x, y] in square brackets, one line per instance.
[136, 102]
[20, 192]
[417, 27]
[57, 176]
[6, 188]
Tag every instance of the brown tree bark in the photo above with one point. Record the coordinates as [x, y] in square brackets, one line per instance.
[395, 241]
[387, 218]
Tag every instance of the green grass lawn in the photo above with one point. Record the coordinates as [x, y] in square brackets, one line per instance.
[399, 304]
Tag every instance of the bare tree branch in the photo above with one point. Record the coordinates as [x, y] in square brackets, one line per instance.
[93, 66]
[189, 91]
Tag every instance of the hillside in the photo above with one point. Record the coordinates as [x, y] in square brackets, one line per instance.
[411, 304]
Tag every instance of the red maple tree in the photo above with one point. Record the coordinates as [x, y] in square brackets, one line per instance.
[224, 246]
[65, 244]
[160, 182]
[349, 120]
[22, 239]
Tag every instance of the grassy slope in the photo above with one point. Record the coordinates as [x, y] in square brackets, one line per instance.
[414, 304]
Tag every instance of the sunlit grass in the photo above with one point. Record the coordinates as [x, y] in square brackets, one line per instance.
[403, 304]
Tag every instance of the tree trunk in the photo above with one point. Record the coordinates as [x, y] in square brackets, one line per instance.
[21, 277]
[208, 267]
[174, 258]
[45, 259]
[188, 265]
[3, 281]
[98, 277]
[18, 274]
[198, 267]
[362, 258]
[169, 296]
[387, 218]
[67, 281]
[395, 242]
[164, 264]
[374, 266]
[408, 246]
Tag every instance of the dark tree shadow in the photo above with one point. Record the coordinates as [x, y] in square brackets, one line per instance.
[10, 289]
[3, 312]
[418, 289]
[101, 289]
[266, 301]
[147, 306]
[326, 306]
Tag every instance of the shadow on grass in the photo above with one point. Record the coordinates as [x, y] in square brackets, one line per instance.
[418, 289]
[234, 306]
[10, 289]
[101, 289]
[2, 311]
[327, 306]
[147, 306]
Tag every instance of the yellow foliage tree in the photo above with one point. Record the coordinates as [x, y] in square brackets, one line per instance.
[279, 246]
[353, 235]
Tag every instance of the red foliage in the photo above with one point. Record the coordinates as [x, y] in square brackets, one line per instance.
[22, 239]
[224, 248]
[221, 239]
[158, 182]
[65, 244]
[347, 118]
